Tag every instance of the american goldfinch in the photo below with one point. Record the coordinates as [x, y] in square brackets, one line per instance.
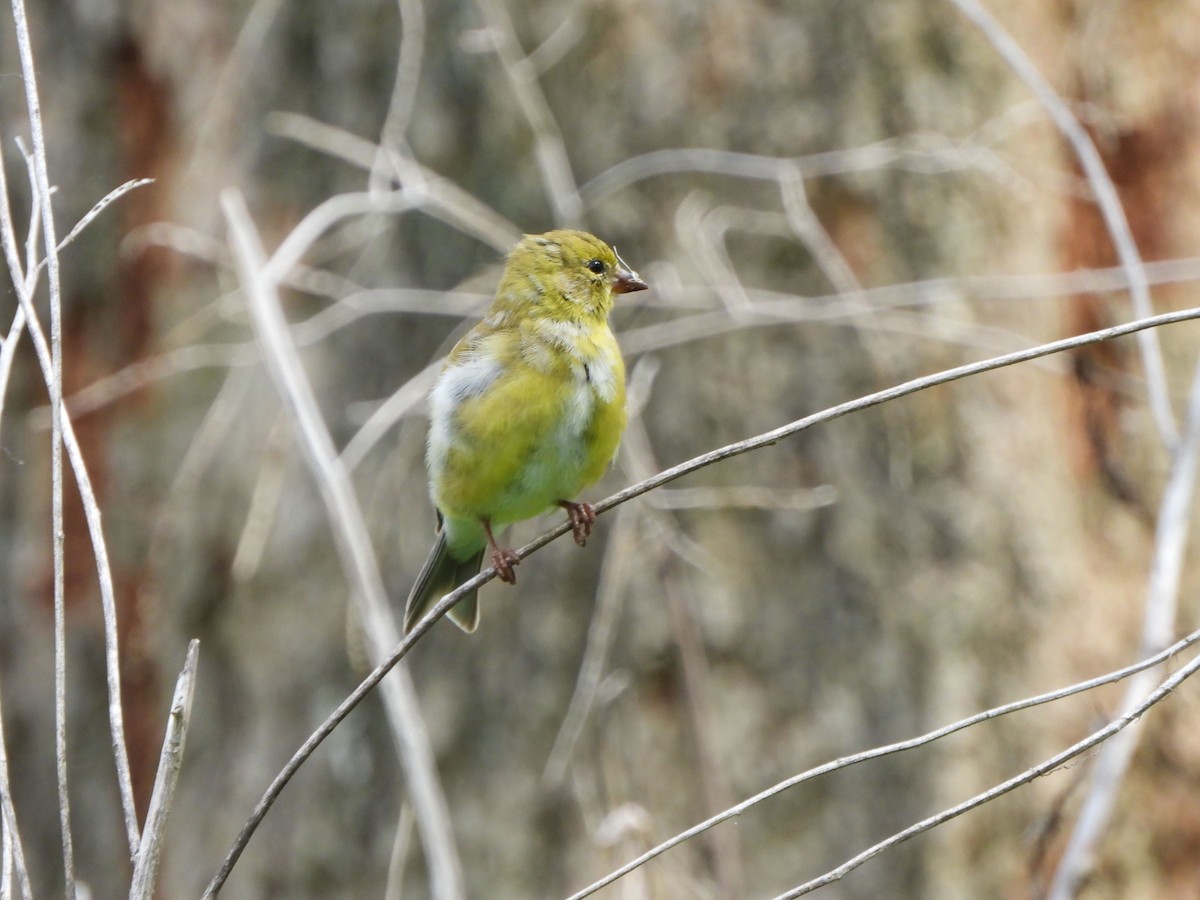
[527, 411]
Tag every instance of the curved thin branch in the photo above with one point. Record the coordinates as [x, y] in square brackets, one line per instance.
[1094, 739]
[889, 749]
[25, 286]
[41, 179]
[549, 148]
[771, 437]
[393, 135]
[1162, 604]
[1106, 198]
[353, 545]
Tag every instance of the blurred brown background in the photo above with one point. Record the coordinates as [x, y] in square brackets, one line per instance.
[861, 583]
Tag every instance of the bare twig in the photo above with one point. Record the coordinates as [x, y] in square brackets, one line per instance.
[1043, 768]
[14, 850]
[714, 780]
[901, 746]
[264, 502]
[6, 863]
[54, 386]
[317, 222]
[25, 284]
[394, 888]
[404, 91]
[549, 148]
[8, 352]
[918, 152]
[438, 196]
[326, 728]
[746, 496]
[1106, 198]
[353, 542]
[1162, 596]
[865, 402]
[108, 602]
[702, 231]
[759, 441]
[389, 300]
[35, 217]
[618, 565]
[811, 232]
[639, 459]
[569, 32]
[411, 394]
[14, 853]
[145, 869]
[102, 204]
[312, 330]
[215, 123]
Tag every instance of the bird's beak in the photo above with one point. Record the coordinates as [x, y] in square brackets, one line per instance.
[627, 280]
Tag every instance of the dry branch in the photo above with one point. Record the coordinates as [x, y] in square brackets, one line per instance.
[259, 278]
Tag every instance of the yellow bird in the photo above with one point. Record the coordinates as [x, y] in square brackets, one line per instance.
[526, 413]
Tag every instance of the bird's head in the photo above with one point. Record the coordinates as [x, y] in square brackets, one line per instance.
[566, 274]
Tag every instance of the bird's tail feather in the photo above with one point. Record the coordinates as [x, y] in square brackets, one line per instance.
[439, 576]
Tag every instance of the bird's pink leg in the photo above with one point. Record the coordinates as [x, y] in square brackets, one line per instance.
[503, 559]
[581, 517]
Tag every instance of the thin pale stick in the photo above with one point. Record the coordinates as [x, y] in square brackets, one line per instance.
[102, 204]
[1165, 689]
[25, 287]
[394, 888]
[918, 152]
[619, 559]
[12, 834]
[811, 232]
[549, 147]
[865, 402]
[6, 862]
[8, 352]
[35, 219]
[439, 196]
[1162, 596]
[1106, 198]
[54, 386]
[14, 851]
[170, 760]
[886, 750]
[324, 216]
[411, 394]
[352, 541]
[108, 603]
[393, 135]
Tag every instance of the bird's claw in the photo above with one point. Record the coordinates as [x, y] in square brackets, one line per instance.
[581, 517]
[503, 561]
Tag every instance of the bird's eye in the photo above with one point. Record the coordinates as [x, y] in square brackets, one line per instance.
[595, 266]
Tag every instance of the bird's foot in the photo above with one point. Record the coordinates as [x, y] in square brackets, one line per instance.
[503, 561]
[581, 517]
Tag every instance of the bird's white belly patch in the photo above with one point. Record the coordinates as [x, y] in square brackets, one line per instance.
[468, 378]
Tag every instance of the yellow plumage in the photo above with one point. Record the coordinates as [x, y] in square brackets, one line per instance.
[527, 412]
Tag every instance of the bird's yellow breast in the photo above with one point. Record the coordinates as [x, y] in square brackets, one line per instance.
[525, 418]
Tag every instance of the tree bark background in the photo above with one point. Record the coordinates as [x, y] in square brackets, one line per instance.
[986, 541]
